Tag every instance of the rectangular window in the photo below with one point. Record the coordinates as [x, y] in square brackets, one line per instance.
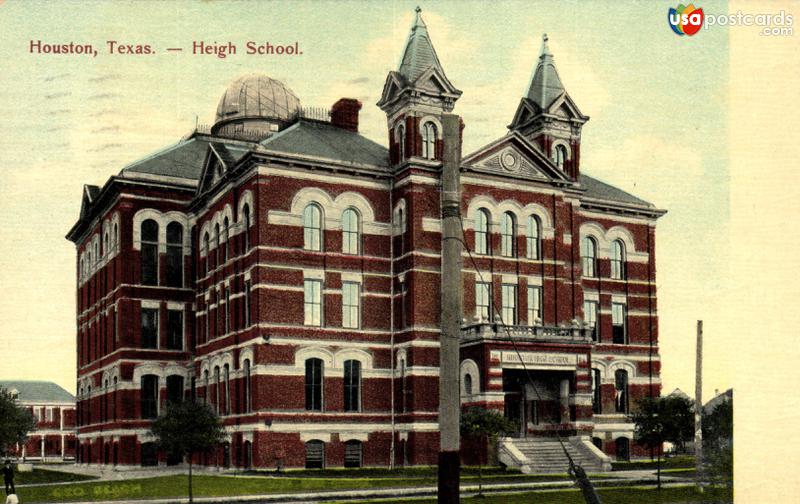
[509, 304]
[590, 317]
[174, 329]
[149, 264]
[313, 302]
[149, 327]
[534, 305]
[314, 385]
[351, 294]
[247, 303]
[618, 323]
[483, 301]
[208, 320]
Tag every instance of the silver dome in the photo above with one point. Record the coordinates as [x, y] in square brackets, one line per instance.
[256, 96]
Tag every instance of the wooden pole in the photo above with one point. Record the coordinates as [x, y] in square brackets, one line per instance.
[451, 310]
[698, 407]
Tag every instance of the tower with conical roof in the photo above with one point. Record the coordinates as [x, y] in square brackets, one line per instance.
[414, 98]
[549, 118]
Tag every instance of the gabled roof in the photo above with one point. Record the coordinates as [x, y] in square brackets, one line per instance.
[597, 189]
[37, 391]
[419, 54]
[326, 141]
[529, 161]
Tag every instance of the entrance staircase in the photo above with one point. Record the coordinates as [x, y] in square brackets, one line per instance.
[545, 455]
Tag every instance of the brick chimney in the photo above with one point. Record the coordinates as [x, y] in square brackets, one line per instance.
[344, 114]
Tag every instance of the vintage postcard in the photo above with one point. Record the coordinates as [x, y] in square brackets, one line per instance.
[398, 251]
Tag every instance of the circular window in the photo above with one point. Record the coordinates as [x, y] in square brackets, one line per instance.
[509, 160]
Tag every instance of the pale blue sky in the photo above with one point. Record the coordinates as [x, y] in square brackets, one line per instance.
[657, 103]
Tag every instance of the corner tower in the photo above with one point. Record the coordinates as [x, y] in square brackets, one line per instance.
[549, 118]
[414, 98]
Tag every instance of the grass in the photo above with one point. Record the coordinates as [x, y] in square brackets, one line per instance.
[679, 462]
[40, 476]
[214, 486]
[674, 495]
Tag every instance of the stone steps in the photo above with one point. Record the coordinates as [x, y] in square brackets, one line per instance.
[547, 456]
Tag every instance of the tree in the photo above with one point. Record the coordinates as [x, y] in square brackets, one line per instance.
[15, 422]
[479, 423]
[718, 443]
[662, 419]
[186, 428]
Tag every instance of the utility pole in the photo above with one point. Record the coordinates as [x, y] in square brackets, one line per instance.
[451, 309]
[698, 407]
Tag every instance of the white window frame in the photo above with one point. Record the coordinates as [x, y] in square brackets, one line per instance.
[351, 305]
[534, 304]
[312, 302]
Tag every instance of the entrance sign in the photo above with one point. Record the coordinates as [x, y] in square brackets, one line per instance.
[539, 359]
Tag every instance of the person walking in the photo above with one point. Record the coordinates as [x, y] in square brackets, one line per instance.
[8, 478]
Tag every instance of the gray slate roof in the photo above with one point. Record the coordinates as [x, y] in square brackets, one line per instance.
[37, 391]
[546, 85]
[419, 54]
[182, 160]
[323, 140]
[600, 190]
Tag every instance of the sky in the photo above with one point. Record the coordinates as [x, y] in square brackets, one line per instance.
[658, 128]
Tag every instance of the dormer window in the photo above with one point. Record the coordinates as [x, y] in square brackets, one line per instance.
[560, 155]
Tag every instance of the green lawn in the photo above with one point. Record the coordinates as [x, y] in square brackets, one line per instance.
[680, 462]
[39, 476]
[213, 485]
[680, 495]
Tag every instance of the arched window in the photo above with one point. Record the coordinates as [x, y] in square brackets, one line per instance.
[352, 453]
[312, 227]
[206, 385]
[468, 384]
[350, 234]
[247, 387]
[560, 156]
[207, 247]
[248, 454]
[174, 388]
[105, 243]
[352, 385]
[217, 384]
[315, 454]
[149, 252]
[246, 220]
[218, 243]
[314, 369]
[508, 235]
[174, 255]
[618, 260]
[227, 375]
[533, 238]
[116, 235]
[149, 396]
[482, 231]
[589, 256]
[621, 392]
[225, 236]
[597, 404]
[429, 140]
[401, 142]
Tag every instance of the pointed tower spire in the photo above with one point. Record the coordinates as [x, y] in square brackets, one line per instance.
[546, 85]
[419, 54]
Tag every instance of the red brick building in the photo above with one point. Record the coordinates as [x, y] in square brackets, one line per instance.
[285, 269]
[53, 408]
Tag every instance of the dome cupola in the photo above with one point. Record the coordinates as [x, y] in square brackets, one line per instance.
[255, 106]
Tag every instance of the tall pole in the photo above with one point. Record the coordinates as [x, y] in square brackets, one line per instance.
[451, 309]
[698, 407]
